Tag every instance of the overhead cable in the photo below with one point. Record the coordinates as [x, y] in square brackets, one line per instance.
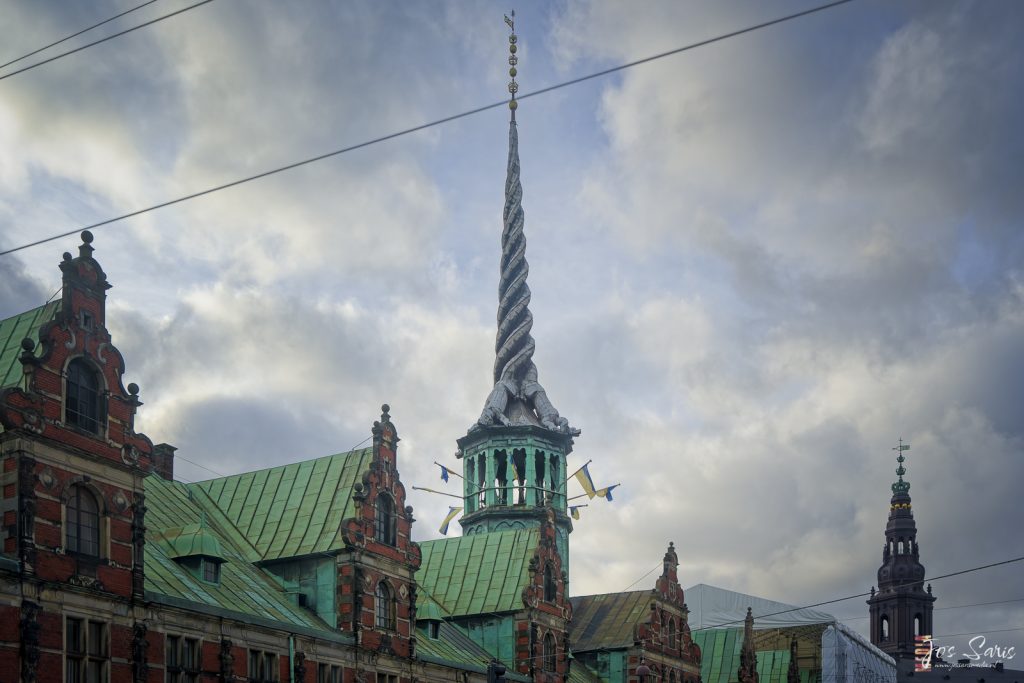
[103, 40]
[423, 126]
[77, 33]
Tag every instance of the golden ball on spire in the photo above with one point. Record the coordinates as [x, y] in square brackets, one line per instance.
[512, 48]
[512, 72]
[513, 105]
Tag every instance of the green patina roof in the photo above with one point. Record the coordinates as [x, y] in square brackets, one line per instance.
[720, 658]
[294, 509]
[607, 621]
[12, 331]
[243, 587]
[453, 645]
[477, 574]
[579, 673]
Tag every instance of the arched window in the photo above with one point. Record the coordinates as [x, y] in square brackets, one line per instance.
[549, 652]
[672, 676]
[550, 587]
[82, 533]
[82, 405]
[883, 628]
[386, 533]
[918, 624]
[384, 607]
[672, 635]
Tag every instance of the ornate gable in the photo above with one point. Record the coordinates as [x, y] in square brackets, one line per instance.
[71, 391]
[376, 585]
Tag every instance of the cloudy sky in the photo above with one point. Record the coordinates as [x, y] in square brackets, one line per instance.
[755, 265]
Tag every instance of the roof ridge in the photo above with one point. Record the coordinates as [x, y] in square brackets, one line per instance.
[279, 467]
[599, 595]
[253, 553]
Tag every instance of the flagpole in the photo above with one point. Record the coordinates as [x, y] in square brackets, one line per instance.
[450, 470]
[440, 493]
[578, 471]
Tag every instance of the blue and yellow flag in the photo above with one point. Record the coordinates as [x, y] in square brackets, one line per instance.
[606, 492]
[444, 473]
[453, 512]
[574, 511]
[515, 472]
[583, 477]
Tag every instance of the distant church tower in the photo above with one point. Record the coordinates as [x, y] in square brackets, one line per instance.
[902, 608]
[514, 454]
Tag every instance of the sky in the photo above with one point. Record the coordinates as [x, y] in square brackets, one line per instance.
[755, 265]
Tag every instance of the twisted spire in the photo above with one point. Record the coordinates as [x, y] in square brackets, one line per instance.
[517, 396]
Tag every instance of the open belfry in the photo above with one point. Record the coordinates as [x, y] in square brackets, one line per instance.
[113, 571]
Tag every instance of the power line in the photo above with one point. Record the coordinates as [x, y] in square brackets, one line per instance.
[415, 129]
[103, 40]
[862, 595]
[640, 579]
[77, 33]
[937, 609]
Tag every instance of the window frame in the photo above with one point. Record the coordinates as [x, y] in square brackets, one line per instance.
[550, 584]
[73, 526]
[87, 652]
[549, 652]
[386, 520]
[263, 660]
[384, 617]
[84, 406]
[182, 666]
[328, 673]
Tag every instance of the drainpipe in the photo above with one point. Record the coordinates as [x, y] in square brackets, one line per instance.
[291, 658]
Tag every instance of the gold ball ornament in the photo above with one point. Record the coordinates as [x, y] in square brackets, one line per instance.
[512, 48]
[512, 72]
[513, 105]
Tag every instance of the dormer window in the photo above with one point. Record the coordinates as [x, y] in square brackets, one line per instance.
[83, 407]
[197, 549]
[210, 570]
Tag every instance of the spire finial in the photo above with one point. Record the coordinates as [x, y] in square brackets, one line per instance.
[901, 486]
[517, 397]
[513, 87]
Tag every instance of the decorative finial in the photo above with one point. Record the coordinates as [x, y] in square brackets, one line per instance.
[513, 87]
[901, 486]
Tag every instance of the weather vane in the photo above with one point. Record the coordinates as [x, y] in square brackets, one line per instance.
[513, 87]
[901, 486]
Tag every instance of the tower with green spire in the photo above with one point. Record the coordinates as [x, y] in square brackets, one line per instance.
[514, 455]
[901, 608]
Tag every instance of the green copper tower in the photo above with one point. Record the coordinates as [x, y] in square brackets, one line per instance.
[514, 455]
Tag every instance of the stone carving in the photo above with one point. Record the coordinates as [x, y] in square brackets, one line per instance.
[227, 661]
[138, 543]
[515, 374]
[140, 663]
[29, 631]
[27, 511]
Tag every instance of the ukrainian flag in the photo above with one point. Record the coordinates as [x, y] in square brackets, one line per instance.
[453, 512]
[574, 511]
[515, 472]
[583, 477]
[606, 492]
[444, 473]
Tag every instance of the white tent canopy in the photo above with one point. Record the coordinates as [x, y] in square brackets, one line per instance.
[847, 657]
